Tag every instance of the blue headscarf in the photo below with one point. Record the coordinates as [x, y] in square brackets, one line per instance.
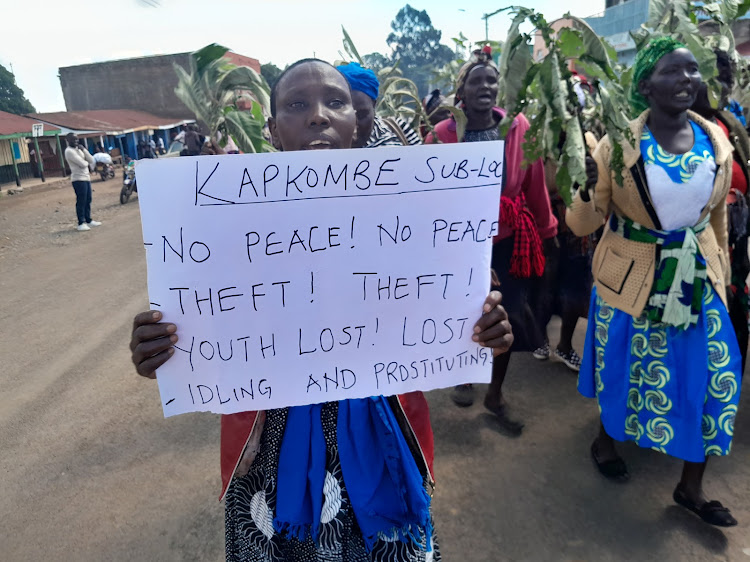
[360, 79]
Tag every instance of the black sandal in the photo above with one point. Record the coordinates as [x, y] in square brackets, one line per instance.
[613, 469]
[711, 512]
[513, 427]
[463, 395]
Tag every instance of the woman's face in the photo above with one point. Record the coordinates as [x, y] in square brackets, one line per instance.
[364, 107]
[479, 93]
[313, 110]
[674, 83]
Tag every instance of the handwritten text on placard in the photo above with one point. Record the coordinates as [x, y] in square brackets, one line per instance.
[312, 276]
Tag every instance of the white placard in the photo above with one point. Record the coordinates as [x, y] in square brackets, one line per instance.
[37, 130]
[313, 276]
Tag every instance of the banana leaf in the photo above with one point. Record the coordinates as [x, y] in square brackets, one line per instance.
[349, 47]
[245, 78]
[246, 130]
[207, 55]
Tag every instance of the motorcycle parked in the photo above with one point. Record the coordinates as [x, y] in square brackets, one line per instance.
[104, 166]
[105, 171]
[128, 182]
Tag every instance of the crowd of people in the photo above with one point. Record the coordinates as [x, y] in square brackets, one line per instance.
[656, 262]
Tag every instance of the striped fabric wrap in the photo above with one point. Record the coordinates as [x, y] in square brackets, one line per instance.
[677, 292]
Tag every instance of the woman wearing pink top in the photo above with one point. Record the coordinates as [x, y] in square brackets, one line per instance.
[527, 226]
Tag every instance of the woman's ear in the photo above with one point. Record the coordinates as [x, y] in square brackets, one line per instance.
[275, 141]
[354, 135]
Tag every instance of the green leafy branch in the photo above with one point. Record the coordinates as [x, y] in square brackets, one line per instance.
[545, 91]
[210, 89]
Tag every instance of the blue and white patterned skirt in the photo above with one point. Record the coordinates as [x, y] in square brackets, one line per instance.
[675, 391]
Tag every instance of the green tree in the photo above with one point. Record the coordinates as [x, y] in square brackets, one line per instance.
[270, 72]
[416, 46]
[12, 99]
[210, 89]
[375, 62]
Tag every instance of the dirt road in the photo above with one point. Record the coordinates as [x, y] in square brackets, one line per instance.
[91, 470]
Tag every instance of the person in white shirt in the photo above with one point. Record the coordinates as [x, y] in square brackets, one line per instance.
[102, 157]
[80, 162]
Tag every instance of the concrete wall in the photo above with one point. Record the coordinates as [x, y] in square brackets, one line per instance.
[146, 84]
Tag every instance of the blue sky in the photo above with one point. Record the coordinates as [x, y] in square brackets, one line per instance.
[279, 31]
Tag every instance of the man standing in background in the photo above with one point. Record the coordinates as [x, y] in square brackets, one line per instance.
[80, 162]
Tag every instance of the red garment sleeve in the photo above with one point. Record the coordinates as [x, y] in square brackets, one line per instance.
[537, 199]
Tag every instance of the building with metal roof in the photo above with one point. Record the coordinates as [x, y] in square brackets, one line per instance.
[114, 128]
[28, 147]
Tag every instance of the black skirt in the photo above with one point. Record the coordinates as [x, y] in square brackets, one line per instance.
[520, 299]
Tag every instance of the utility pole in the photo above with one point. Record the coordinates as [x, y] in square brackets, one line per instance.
[486, 18]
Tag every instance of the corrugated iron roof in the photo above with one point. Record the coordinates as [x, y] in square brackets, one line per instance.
[108, 120]
[242, 60]
[11, 124]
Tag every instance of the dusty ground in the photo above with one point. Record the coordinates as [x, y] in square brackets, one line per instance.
[91, 471]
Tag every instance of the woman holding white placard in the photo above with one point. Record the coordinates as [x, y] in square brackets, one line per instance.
[347, 480]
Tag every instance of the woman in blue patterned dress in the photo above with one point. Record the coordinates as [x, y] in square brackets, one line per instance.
[660, 354]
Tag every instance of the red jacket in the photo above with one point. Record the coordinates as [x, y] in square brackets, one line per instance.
[236, 430]
[529, 180]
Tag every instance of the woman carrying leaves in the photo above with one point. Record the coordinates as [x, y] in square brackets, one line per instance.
[342, 481]
[527, 227]
[660, 354]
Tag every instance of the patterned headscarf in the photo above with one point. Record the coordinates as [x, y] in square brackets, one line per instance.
[480, 57]
[645, 62]
[360, 79]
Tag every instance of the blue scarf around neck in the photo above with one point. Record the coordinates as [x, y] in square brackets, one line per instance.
[380, 474]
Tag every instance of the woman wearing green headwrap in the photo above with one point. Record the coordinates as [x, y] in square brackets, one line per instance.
[660, 354]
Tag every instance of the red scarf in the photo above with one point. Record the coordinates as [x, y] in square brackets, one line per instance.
[528, 256]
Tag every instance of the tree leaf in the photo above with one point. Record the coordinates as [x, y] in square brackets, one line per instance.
[207, 55]
[349, 47]
[571, 43]
[246, 131]
[460, 118]
[660, 14]
[573, 160]
[641, 37]
[12, 98]
[246, 79]
[595, 47]
[192, 94]
[211, 95]
[515, 62]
